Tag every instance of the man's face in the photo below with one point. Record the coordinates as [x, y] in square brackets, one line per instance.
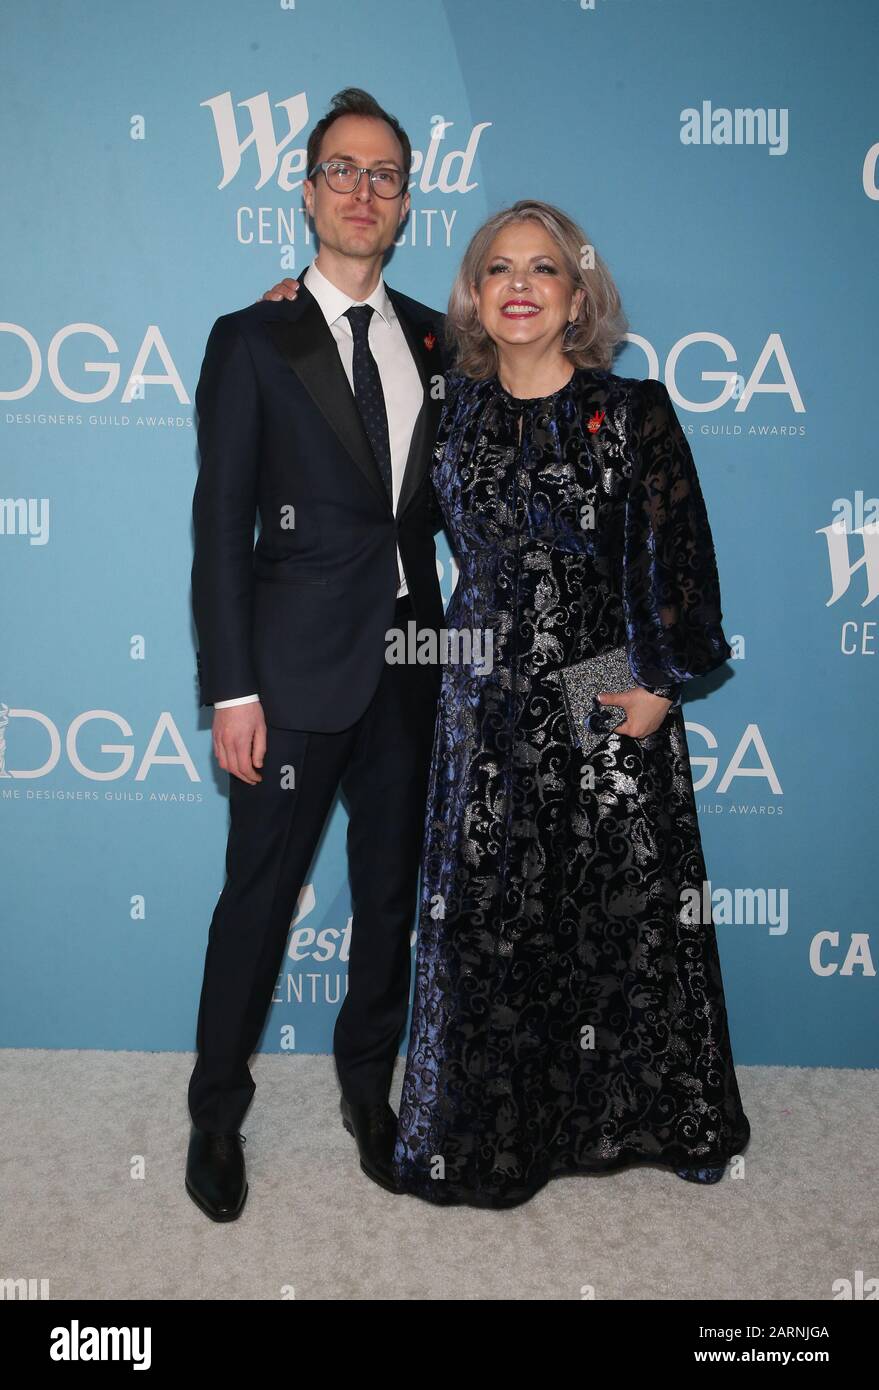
[359, 224]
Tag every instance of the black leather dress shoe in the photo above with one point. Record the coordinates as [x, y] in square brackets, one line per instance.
[215, 1176]
[375, 1129]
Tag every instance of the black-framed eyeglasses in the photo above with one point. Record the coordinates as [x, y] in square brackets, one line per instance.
[342, 177]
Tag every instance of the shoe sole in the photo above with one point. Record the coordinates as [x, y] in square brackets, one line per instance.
[230, 1216]
[381, 1182]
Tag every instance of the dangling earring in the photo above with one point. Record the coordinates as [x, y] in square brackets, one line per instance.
[569, 332]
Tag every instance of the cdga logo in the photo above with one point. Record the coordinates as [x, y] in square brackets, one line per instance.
[121, 755]
[24, 376]
[30, 372]
[736, 386]
[751, 745]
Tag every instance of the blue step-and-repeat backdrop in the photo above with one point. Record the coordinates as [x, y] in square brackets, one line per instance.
[723, 157]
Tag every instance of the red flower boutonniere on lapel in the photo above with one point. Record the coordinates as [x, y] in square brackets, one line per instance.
[594, 424]
[430, 340]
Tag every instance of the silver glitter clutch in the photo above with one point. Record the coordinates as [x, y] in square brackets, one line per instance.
[591, 722]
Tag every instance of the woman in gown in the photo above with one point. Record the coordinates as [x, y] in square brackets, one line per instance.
[569, 1017]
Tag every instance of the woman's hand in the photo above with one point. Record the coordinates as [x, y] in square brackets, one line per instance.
[287, 289]
[644, 712]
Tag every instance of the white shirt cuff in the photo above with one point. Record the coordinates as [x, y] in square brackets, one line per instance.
[239, 700]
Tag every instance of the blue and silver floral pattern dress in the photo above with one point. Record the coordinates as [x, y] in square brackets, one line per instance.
[568, 1015]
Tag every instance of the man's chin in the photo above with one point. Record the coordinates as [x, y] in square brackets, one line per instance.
[368, 246]
[366, 241]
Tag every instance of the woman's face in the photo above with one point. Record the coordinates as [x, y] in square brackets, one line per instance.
[524, 295]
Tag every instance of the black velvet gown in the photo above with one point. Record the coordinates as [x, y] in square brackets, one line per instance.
[569, 1016]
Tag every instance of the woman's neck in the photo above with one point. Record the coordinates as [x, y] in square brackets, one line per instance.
[524, 375]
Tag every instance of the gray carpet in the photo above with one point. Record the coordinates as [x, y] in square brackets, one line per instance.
[803, 1215]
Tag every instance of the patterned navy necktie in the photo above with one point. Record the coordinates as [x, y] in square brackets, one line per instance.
[368, 393]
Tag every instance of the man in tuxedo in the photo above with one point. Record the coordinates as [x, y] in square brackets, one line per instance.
[319, 415]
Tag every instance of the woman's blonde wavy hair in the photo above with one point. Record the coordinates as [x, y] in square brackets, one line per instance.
[600, 325]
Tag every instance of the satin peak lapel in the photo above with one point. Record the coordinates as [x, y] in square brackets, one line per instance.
[309, 349]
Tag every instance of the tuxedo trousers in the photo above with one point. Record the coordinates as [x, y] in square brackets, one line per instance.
[380, 764]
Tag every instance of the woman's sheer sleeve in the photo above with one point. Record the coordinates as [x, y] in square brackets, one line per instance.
[670, 586]
[453, 389]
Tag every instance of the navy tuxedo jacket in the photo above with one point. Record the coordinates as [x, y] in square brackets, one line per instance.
[300, 616]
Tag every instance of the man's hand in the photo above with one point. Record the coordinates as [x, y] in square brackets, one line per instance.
[644, 712]
[287, 289]
[239, 733]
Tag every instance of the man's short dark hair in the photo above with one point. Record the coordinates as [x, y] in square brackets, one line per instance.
[353, 101]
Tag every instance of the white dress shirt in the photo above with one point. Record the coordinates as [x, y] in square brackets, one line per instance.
[401, 383]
